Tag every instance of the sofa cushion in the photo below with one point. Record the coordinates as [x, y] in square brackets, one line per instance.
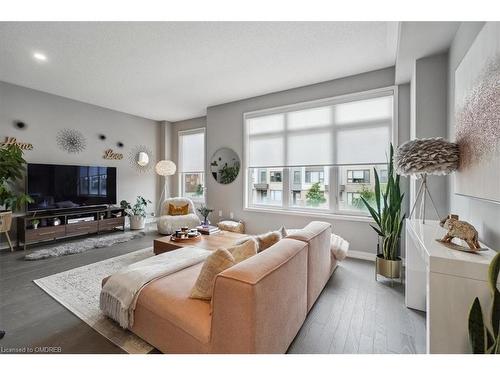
[178, 210]
[265, 240]
[243, 251]
[216, 262]
[168, 299]
[231, 226]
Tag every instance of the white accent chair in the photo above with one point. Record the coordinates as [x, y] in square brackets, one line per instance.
[167, 224]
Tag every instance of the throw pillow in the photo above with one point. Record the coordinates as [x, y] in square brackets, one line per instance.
[216, 262]
[178, 210]
[264, 240]
[243, 251]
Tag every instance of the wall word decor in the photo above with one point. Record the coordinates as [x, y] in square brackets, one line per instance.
[109, 154]
[13, 141]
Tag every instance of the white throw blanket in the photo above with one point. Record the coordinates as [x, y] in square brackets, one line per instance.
[119, 295]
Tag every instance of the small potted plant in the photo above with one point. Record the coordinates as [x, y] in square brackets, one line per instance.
[35, 223]
[137, 212]
[205, 211]
[389, 222]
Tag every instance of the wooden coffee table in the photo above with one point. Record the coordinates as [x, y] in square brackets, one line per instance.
[222, 239]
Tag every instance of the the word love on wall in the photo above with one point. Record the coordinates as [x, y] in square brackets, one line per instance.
[109, 154]
[13, 141]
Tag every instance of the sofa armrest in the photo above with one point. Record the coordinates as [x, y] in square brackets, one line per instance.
[260, 304]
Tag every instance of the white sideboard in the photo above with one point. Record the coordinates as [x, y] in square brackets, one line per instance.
[443, 282]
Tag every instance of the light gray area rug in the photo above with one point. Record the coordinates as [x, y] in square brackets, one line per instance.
[79, 246]
[78, 290]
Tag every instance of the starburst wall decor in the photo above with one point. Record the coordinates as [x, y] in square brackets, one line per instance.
[71, 141]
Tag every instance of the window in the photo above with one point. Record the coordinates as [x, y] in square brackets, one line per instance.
[263, 177]
[297, 177]
[315, 176]
[358, 176]
[319, 155]
[275, 176]
[192, 164]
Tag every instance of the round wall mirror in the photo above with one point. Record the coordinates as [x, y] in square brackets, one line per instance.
[225, 165]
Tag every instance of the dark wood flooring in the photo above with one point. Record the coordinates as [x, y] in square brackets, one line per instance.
[354, 314]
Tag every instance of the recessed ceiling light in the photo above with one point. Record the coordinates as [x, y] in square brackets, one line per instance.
[39, 56]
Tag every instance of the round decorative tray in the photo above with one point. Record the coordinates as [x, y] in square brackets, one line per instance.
[187, 239]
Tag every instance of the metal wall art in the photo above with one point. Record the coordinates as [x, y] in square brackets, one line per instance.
[71, 140]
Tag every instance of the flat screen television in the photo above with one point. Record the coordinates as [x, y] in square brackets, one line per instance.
[55, 186]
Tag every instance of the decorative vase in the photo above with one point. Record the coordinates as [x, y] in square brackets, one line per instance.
[35, 226]
[388, 268]
[137, 222]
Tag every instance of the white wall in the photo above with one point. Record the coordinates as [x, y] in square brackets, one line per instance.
[45, 114]
[225, 129]
[485, 216]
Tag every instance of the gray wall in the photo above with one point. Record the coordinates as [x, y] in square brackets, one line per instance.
[485, 216]
[45, 114]
[429, 114]
[225, 129]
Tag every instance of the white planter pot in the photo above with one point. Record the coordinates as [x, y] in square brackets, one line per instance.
[137, 222]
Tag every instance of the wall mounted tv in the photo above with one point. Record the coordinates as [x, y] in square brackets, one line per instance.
[69, 186]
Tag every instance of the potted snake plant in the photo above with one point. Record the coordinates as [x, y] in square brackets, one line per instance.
[389, 222]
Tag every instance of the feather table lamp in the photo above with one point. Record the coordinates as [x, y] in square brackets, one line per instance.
[426, 156]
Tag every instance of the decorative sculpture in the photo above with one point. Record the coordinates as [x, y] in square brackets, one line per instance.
[460, 229]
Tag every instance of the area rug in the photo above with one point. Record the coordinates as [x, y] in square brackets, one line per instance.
[78, 290]
[79, 246]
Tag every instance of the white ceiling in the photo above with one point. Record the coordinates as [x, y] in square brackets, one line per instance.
[175, 70]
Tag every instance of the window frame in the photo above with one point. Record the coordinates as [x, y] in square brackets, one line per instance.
[180, 174]
[333, 179]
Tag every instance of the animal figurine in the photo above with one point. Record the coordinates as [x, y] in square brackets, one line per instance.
[460, 229]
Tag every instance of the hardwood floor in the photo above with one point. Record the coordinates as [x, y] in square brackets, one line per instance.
[354, 314]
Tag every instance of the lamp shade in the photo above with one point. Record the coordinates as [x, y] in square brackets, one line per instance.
[165, 168]
[426, 156]
[142, 159]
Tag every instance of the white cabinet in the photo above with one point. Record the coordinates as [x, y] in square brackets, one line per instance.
[443, 282]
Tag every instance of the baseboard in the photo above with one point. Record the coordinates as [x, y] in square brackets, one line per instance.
[361, 255]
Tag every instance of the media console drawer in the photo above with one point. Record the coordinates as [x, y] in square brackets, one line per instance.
[46, 233]
[107, 224]
[81, 228]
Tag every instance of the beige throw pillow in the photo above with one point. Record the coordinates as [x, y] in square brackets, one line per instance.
[216, 262]
[264, 240]
[243, 251]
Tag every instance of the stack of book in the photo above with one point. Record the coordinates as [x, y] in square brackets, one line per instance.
[210, 229]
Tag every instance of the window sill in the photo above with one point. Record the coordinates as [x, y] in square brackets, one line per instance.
[344, 217]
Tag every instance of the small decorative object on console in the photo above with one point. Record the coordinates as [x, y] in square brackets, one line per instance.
[205, 211]
[35, 223]
[462, 230]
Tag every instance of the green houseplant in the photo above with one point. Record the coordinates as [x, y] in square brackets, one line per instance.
[484, 339]
[137, 212]
[388, 219]
[205, 211]
[315, 196]
[12, 166]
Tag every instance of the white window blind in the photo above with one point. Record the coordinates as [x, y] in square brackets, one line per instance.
[331, 133]
[192, 151]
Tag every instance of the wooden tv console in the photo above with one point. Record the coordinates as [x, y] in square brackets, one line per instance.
[104, 219]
